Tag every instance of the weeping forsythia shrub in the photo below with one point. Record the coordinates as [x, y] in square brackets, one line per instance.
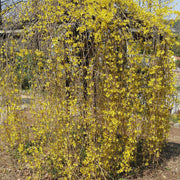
[100, 79]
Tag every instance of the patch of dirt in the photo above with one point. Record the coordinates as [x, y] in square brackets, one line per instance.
[169, 167]
[174, 135]
[7, 169]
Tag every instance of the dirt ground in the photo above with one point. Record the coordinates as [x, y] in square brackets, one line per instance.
[168, 168]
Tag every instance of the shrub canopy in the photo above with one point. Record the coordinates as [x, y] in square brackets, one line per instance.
[100, 75]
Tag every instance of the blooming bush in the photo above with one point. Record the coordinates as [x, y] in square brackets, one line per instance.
[100, 77]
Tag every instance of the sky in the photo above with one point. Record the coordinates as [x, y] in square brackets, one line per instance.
[177, 7]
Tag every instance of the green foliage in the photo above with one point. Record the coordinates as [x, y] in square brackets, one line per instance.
[178, 87]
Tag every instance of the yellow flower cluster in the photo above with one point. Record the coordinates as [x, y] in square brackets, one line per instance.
[99, 77]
